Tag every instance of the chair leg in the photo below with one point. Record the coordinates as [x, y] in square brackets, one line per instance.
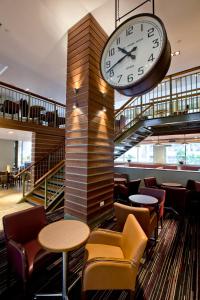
[83, 295]
[131, 295]
[161, 222]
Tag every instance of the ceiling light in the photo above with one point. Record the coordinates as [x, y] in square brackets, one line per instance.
[3, 68]
[10, 132]
[27, 90]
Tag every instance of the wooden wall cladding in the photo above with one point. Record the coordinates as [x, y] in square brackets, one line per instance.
[89, 130]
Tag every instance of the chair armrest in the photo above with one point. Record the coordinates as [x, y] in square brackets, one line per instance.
[107, 273]
[17, 257]
[103, 236]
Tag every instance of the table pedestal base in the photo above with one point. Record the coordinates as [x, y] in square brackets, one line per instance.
[64, 281]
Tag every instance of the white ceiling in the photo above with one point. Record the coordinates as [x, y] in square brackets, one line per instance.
[15, 135]
[33, 37]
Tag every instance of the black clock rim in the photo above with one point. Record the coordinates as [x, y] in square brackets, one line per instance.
[158, 59]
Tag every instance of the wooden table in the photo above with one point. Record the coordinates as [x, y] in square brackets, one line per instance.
[172, 184]
[143, 200]
[63, 236]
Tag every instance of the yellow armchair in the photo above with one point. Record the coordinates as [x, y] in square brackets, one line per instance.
[113, 258]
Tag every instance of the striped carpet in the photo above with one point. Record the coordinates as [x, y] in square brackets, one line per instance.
[172, 271]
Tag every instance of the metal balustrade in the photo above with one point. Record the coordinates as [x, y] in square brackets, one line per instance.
[18, 104]
[176, 94]
[32, 174]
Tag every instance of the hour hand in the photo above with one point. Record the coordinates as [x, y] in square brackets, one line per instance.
[128, 53]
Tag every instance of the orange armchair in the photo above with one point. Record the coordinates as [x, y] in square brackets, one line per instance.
[113, 258]
[147, 221]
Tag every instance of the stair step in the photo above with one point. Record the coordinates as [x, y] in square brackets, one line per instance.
[56, 181]
[34, 200]
[41, 193]
[52, 188]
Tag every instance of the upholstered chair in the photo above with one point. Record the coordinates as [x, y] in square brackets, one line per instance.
[151, 182]
[113, 258]
[10, 107]
[122, 193]
[176, 199]
[122, 175]
[161, 196]
[23, 250]
[147, 221]
[133, 186]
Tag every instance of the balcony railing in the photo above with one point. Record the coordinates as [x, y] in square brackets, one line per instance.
[18, 104]
[176, 94]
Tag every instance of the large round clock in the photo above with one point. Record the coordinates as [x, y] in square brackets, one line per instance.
[137, 55]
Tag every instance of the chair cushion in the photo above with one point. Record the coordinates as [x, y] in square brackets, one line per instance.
[106, 251]
[34, 253]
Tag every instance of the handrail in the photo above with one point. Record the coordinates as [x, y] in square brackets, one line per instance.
[168, 77]
[173, 96]
[13, 87]
[37, 162]
[50, 172]
[48, 197]
[138, 117]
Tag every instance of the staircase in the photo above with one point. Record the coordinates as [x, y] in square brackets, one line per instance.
[49, 189]
[43, 181]
[177, 96]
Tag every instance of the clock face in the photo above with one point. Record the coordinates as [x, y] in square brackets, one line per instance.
[133, 50]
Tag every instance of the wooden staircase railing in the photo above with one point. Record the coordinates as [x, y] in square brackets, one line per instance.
[32, 174]
[49, 189]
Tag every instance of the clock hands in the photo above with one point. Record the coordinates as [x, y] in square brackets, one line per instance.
[128, 53]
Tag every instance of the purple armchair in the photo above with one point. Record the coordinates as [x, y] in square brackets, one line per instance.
[23, 250]
[160, 195]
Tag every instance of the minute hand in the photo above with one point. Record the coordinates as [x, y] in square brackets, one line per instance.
[128, 53]
[122, 58]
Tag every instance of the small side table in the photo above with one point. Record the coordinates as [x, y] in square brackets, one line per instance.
[143, 200]
[63, 236]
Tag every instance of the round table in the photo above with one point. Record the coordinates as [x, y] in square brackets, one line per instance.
[143, 199]
[172, 184]
[63, 236]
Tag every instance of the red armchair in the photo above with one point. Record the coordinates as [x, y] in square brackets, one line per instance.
[176, 199]
[23, 250]
[151, 182]
[133, 186]
[161, 196]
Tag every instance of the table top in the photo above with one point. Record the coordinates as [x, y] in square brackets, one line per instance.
[173, 184]
[64, 235]
[143, 199]
[120, 180]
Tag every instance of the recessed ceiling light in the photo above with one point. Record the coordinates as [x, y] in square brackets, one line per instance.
[27, 90]
[10, 132]
[176, 53]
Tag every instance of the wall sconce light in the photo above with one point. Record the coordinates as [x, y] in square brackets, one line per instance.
[75, 105]
[103, 95]
[76, 90]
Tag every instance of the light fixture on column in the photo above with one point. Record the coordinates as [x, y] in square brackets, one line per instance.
[75, 105]
[103, 95]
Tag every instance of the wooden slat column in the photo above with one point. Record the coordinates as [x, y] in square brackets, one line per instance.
[90, 129]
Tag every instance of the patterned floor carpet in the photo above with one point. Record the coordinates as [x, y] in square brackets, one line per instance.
[172, 271]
